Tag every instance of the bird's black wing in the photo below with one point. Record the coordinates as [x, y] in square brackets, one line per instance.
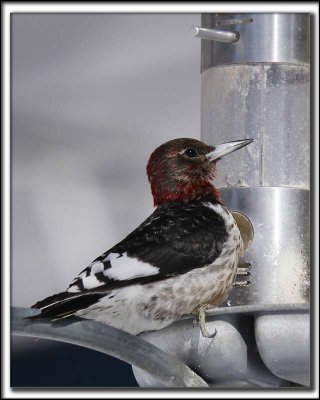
[178, 237]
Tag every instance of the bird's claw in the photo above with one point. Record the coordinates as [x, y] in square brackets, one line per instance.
[208, 335]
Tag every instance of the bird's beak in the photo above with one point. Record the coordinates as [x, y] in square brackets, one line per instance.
[226, 148]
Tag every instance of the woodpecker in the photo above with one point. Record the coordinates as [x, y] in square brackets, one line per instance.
[181, 260]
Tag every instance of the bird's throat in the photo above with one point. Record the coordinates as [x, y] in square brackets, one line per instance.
[183, 192]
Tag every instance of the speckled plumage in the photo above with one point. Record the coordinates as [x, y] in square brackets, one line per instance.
[183, 257]
[163, 302]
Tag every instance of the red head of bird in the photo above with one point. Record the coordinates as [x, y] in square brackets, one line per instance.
[183, 169]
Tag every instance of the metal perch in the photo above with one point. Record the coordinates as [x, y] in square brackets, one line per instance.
[108, 340]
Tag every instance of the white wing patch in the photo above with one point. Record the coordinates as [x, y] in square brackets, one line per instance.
[122, 268]
[125, 267]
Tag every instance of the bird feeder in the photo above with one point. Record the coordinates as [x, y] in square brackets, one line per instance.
[256, 84]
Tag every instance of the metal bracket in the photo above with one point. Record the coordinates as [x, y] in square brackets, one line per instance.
[215, 34]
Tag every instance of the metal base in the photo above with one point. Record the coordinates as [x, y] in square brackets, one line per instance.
[253, 347]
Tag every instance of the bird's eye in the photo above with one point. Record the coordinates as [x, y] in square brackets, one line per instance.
[191, 153]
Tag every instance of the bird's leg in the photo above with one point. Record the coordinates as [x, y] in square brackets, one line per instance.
[201, 317]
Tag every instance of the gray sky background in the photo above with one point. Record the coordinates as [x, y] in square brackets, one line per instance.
[92, 96]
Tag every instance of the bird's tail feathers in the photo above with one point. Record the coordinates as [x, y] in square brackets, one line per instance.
[65, 304]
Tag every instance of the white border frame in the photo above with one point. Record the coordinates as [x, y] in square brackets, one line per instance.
[92, 7]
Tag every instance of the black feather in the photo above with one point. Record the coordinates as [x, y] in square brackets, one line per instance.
[179, 236]
[64, 304]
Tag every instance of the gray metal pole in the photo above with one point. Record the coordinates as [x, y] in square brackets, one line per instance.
[255, 84]
[259, 87]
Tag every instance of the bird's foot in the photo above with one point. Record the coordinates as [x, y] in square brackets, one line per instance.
[201, 317]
